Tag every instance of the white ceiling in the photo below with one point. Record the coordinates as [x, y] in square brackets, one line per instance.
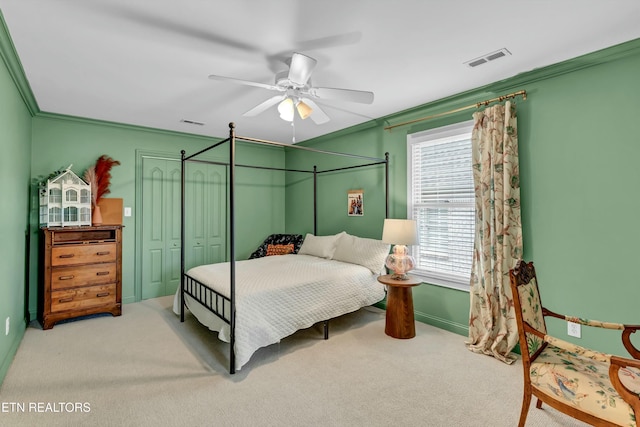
[146, 62]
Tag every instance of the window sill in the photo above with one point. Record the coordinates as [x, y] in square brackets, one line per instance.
[437, 281]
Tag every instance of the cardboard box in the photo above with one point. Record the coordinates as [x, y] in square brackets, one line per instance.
[111, 210]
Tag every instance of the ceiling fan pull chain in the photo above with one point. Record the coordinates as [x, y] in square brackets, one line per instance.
[293, 130]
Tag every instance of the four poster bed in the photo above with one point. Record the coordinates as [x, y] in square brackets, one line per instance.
[254, 303]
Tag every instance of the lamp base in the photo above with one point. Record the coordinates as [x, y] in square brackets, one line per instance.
[399, 262]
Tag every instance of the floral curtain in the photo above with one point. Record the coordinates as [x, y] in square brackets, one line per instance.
[498, 240]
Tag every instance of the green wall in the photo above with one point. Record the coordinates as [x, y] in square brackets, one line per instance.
[60, 141]
[579, 154]
[445, 308]
[580, 178]
[15, 142]
[332, 187]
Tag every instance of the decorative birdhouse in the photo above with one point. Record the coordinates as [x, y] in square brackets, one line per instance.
[65, 200]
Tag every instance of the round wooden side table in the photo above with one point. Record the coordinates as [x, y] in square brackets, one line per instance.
[400, 322]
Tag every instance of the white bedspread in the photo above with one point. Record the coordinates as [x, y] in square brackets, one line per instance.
[278, 295]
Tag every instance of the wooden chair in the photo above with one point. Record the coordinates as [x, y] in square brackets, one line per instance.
[597, 388]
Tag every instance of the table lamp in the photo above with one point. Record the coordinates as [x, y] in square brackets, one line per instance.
[400, 232]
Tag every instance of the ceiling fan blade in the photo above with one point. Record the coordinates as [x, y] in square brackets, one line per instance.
[158, 22]
[245, 82]
[350, 95]
[264, 106]
[329, 41]
[317, 115]
[301, 68]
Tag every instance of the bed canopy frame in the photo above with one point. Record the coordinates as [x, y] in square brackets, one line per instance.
[221, 305]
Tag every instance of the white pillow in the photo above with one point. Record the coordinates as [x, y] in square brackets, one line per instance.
[370, 253]
[320, 246]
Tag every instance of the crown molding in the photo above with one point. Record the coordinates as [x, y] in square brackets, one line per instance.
[98, 122]
[517, 82]
[14, 66]
[136, 128]
[588, 60]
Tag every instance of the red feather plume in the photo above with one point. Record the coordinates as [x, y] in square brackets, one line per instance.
[103, 175]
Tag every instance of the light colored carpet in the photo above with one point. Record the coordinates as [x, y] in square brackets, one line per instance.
[145, 368]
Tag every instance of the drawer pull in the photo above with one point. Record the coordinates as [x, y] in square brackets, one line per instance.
[66, 256]
[103, 294]
[102, 273]
[103, 253]
[65, 299]
[66, 277]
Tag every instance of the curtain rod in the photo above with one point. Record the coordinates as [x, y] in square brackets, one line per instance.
[476, 105]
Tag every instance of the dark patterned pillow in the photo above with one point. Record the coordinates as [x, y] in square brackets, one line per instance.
[278, 239]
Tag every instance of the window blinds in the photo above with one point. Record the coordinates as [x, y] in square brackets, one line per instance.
[442, 203]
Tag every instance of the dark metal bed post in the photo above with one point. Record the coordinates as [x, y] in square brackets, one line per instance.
[211, 299]
[232, 247]
[386, 185]
[182, 236]
[315, 200]
[325, 324]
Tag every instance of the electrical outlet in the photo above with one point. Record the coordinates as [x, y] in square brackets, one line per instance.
[7, 324]
[573, 329]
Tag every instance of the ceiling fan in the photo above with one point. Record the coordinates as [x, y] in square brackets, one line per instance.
[296, 92]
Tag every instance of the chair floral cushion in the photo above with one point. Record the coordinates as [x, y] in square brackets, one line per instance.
[584, 383]
[278, 239]
[532, 313]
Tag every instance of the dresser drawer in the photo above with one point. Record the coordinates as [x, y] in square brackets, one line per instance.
[83, 254]
[90, 296]
[92, 274]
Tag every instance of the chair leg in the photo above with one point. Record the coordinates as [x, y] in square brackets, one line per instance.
[526, 401]
[539, 404]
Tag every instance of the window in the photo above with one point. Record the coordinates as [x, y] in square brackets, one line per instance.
[55, 214]
[72, 196]
[85, 197]
[55, 195]
[71, 214]
[85, 214]
[441, 200]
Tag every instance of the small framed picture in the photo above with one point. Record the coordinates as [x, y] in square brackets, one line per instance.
[355, 202]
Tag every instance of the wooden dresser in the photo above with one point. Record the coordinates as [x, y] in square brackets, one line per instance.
[81, 272]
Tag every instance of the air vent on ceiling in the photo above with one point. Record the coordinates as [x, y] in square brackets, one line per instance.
[192, 122]
[488, 57]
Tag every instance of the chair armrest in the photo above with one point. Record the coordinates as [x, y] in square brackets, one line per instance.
[632, 397]
[626, 340]
[627, 330]
[582, 321]
[625, 362]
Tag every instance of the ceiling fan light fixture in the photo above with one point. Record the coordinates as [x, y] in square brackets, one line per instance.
[296, 93]
[303, 110]
[285, 108]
